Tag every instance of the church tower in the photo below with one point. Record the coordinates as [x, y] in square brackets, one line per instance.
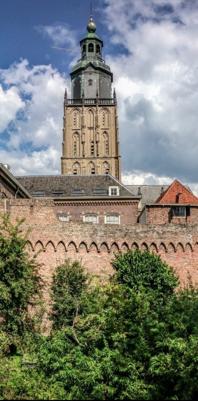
[90, 132]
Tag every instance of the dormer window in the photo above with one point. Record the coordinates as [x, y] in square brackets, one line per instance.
[91, 48]
[114, 191]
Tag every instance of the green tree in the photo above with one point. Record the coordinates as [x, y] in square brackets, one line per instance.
[69, 283]
[20, 283]
[145, 271]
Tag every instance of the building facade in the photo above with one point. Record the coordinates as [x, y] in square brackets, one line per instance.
[90, 130]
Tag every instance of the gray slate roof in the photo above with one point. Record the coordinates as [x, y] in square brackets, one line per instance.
[149, 193]
[73, 186]
[12, 182]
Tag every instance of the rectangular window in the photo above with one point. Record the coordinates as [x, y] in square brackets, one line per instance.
[38, 194]
[100, 191]
[58, 193]
[179, 211]
[114, 191]
[90, 218]
[112, 219]
[63, 217]
[78, 191]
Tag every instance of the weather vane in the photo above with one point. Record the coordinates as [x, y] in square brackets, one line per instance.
[91, 8]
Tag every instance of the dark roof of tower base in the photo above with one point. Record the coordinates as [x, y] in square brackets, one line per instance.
[74, 186]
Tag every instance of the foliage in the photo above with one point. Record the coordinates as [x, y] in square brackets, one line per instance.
[145, 271]
[19, 280]
[68, 285]
[133, 337]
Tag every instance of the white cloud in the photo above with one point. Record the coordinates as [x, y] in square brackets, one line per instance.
[34, 139]
[156, 82]
[10, 104]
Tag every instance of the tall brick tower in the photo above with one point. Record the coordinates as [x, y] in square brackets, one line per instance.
[90, 132]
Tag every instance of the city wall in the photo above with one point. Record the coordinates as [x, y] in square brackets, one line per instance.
[95, 245]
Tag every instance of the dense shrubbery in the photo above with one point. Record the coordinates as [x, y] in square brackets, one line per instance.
[134, 337]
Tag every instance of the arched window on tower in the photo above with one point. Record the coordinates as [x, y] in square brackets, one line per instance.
[92, 169]
[76, 119]
[90, 48]
[76, 145]
[91, 119]
[84, 49]
[76, 168]
[105, 119]
[105, 144]
[98, 50]
[106, 168]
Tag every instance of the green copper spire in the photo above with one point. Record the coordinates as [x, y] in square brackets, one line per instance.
[91, 75]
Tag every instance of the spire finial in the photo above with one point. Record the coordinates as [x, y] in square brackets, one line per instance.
[91, 27]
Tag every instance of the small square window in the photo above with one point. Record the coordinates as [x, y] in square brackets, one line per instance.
[114, 191]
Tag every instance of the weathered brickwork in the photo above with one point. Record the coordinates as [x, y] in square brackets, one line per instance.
[157, 214]
[95, 245]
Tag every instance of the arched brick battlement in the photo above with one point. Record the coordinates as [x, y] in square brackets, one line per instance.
[124, 247]
[162, 248]
[180, 247]
[153, 248]
[50, 246]
[113, 247]
[144, 247]
[104, 247]
[72, 247]
[39, 246]
[83, 247]
[61, 247]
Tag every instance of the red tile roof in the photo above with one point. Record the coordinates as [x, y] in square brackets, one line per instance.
[177, 193]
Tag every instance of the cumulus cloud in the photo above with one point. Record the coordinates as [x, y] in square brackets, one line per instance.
[32, 144]
[10, 105]
[156, 80]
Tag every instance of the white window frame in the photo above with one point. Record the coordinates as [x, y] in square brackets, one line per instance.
[113, 189]
[90, 215]
[112, 215]
[64, 217]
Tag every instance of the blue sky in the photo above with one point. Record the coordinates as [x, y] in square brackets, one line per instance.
[20, 21]
[152, 49]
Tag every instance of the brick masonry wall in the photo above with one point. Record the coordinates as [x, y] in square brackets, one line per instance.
[160, 215]
[95, 245]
